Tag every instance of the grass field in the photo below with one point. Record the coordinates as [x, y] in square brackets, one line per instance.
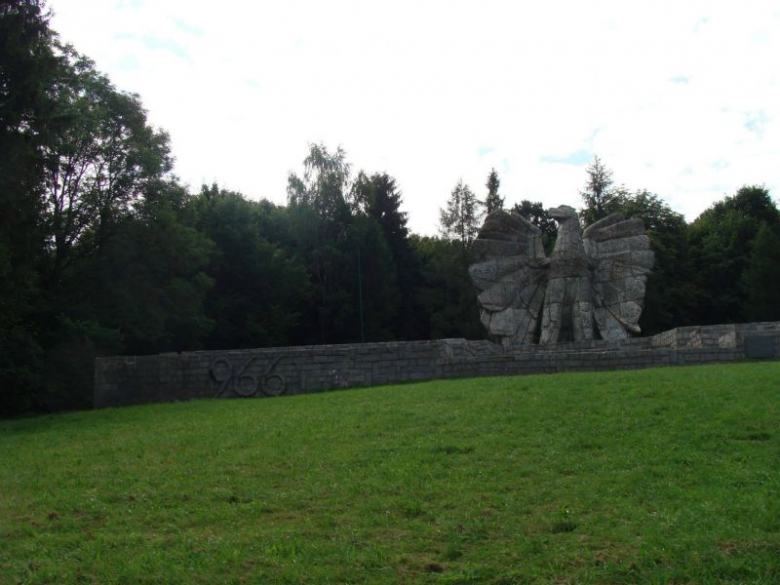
[652, 476]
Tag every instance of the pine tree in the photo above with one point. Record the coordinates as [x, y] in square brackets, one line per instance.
[599, 194]
[494, 200]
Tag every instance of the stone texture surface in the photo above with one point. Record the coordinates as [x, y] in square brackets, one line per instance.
[124, 380]
[593, 284]
[510, 270]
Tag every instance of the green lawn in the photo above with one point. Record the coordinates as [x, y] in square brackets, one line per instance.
[651, 476]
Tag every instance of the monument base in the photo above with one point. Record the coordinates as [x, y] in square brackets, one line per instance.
[126, 380]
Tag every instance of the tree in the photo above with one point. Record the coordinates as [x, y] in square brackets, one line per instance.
[599, 194]
[537, 215]
[260, 292]
[493, 200]
[29, 69]
[325, 184]
[460, 219]
[722, 246]
[671, 293]
[84, 196]
[100, 166]
[144, 293]
[104, 157]
[320, 220]
[447, 297]
[377, 294]
[380, 199]
[759, 280]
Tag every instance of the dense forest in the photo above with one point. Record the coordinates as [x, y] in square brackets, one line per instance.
[103, 250]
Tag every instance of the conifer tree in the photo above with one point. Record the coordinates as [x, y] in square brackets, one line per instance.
[599, 194]
[494, 200]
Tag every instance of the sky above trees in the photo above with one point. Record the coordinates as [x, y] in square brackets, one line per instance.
[681, 99]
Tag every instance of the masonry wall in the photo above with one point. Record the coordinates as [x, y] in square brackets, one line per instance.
[125, 380]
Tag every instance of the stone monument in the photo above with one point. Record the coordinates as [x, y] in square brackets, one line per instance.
[593, 284]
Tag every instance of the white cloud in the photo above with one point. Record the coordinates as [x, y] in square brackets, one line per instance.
[416, 89]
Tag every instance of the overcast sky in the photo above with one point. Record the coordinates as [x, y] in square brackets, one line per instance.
[681, 98]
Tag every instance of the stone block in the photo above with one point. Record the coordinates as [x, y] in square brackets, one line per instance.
[759, 346]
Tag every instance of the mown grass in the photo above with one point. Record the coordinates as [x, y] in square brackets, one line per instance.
[651, 476]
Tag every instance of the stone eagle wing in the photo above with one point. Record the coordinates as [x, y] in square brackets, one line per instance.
[620, 258]
[510, 270]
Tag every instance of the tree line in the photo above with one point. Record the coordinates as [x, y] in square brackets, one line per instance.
[104, 251]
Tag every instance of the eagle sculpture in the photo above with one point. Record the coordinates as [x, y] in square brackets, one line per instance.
[592, 286]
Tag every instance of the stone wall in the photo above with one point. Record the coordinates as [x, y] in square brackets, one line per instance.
[125, 380]
[720, 336]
